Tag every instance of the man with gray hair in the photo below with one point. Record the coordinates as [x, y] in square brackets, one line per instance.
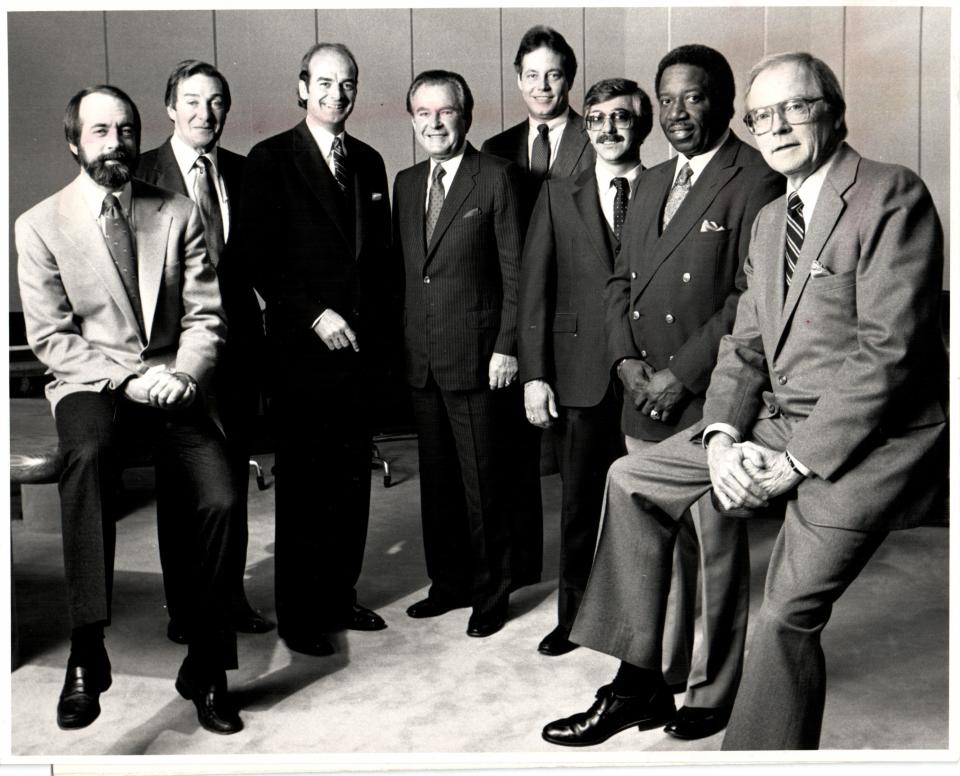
[829, 395]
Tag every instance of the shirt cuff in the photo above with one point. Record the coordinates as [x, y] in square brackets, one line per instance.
[797, 466]
[725, 428]
[317, 319]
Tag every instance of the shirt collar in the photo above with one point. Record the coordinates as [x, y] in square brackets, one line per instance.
[450, 167]
[809, 190]
[186, 155]
[552, 124]
[605, 177]
[700, 161]
[324, 139]
[93, 195]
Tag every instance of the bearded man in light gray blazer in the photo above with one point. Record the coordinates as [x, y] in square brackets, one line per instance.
[829, 395]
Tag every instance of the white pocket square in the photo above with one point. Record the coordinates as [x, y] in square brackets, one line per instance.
[376, 196]
[712, 226]
[472, 212]
[817, 270]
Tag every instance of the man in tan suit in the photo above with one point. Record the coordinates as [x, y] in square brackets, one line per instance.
[830, 395]
[122, 306]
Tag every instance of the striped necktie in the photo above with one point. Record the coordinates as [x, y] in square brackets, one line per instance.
[339, 164]
[794, 242]
[209, 204]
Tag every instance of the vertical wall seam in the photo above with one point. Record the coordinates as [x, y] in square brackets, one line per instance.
[503, 106]
[106, 57]
[213, 19]
[583, 45]
[413, 140]
[843, 50]
[766, 29]
[920, 96]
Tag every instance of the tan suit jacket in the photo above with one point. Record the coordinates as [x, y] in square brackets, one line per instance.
[78, 317]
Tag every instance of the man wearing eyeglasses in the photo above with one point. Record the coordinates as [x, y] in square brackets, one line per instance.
[830, 394]
[569, 253]
[672, 296]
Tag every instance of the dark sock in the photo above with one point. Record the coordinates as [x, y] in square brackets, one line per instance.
[86, 644]
[632, 680]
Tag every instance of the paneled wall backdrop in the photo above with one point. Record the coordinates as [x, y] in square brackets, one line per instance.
[892, 61]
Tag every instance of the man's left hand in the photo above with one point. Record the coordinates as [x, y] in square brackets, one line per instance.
[502, 370]
[662, 393]
[172, 390]
[770, 469]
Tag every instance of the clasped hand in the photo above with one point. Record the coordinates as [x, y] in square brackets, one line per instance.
[748, 474]
[654, 393]
[161, 388]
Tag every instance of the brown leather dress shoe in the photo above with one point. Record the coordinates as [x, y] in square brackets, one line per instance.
[79, 703]
[610, 714]
[693, 722]
[209, 695]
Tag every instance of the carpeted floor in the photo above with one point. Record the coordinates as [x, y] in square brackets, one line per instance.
[422, 685]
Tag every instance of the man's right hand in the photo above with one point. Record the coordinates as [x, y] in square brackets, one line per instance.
[731, 482]
[635, 373]
[335, 331]
[540, 403]
[138, 388]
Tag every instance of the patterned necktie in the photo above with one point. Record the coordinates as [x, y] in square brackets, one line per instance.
[435, 201]
[209, 204]
[677, 194]
[120, 244]
[620, 203]
[540, 156]
[795, 227]
[339, 164]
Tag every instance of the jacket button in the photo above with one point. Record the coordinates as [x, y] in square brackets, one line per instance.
[426, 279]
[782, 379]
[616, 251]
[669, 358]
[668, 318]
[685, 277]
[643, 354]
[636, 315]
[633, 275]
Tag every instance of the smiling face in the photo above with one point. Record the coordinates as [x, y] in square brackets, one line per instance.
[438, 121]
[199, 111]
[795, 150]
[107, 147]
[543, 84]
[689, 117]
[330, 91]
[611, 144]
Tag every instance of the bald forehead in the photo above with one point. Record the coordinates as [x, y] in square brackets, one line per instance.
[102, 108]
[782, 82]
[330, 63]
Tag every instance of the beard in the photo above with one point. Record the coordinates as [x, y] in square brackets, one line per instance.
[112, 176]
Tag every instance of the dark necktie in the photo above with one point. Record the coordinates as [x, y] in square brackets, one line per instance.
[540, 155]
[620, 203]
[339, 159]
[678, 193]
[795, 228]
[435, 201]
[209, 204]
[120, 244]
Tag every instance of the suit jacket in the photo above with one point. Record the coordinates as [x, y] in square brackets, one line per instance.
[574, 155]
[568, 257]
[852, 354]
[79, 320]
[460, 302]
[674, 295]
[310, 248]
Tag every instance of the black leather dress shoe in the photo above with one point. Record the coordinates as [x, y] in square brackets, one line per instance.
[79, 703]
[610, 714]
[209, 695]
[361, 618]
[176, 631]
[430, 607]
[556, 643]
[488, 622]
[692, 722]
[249, 620]
[316, 646]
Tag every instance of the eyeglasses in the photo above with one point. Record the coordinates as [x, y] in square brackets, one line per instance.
[795, 111]
[622, 119]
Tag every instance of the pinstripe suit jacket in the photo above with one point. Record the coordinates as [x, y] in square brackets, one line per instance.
[460, 300]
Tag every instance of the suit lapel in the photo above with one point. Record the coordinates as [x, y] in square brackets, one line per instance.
[361, 201]
[572, 143]
[85, 234]
[167, 171]
[463, 184]
[311, 165]
[151, 229]
[521, 154]
[586, 201]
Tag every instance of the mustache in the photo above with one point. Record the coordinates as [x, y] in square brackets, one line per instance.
[612, 138]
[119, 155]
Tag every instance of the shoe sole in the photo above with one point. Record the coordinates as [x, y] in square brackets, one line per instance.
[641, 725]
[682, 737]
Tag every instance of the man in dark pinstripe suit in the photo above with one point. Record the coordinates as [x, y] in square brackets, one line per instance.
[457, 227]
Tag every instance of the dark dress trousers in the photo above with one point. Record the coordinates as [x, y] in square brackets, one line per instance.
[672, 296]
[574, 155]
[568, 257]
[460, 307]
[237, 385]
[311, 247]
[847, 371]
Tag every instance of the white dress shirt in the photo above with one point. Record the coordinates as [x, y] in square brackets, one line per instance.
[186, 157]
[555, 126]
[93, 197]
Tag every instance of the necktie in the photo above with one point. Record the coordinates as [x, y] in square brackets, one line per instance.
[120, 245]
[677, 194]
[209, 204]
[339, 164]
[435, 201]
[795, 228]
[540, 156]
[620, 203]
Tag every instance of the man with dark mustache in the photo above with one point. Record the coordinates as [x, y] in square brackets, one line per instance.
[572, 241]
[671, 299]
[122, 305]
